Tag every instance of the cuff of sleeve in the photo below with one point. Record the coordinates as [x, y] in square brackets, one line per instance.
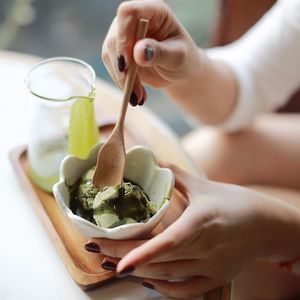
[246, 107]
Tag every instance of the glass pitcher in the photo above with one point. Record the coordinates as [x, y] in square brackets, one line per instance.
[63, 120]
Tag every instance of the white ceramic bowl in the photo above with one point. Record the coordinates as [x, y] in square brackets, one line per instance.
[140, 168]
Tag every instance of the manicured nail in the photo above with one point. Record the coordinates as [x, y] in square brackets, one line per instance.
[148, 285]
[121, 63]
[92, 247]
[109, 265]
[149, 53]
[141, 102]
[127, 271]
[133, 99]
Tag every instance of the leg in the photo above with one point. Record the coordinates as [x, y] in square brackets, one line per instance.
[267, 153]
[260, 279]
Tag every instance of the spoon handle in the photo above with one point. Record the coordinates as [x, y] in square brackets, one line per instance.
[222, 293]
[130, 77]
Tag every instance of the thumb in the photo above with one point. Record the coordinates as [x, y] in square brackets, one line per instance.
[167, 54]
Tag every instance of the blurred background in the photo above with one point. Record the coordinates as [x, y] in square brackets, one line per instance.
[77, 28]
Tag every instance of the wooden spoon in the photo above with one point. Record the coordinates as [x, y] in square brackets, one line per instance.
[111, 157]
[222, 293]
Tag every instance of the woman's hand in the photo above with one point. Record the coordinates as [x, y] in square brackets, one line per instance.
[222, 229]
[168, 54]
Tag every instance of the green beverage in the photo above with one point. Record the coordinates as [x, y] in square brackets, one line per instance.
[83, 131]
[45, 172]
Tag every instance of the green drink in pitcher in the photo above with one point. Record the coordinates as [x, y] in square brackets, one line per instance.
[83, 132]
[63, 120]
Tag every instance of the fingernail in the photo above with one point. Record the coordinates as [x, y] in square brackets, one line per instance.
[148, 285]
[127, 271]
[121, 63]
[92, 247]
[109, 265]
[149, 52]
[141, 102]
[133, 99]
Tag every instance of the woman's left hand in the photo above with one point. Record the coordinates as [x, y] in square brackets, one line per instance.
[223, 228]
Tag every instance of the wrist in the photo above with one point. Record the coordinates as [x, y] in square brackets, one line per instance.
[281, 232]
[208, 92]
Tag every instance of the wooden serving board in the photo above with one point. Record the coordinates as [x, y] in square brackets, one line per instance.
[83, 266]
[142, 127]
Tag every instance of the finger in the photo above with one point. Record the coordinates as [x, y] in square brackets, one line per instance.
[168, 54]
[169, 270]
[185, 181]
[119, 77]
[109, 55]
[119, 249]
[162, 271]
[189, 289]
[128, 14]
[109, 263]
[108, 65]
[159, 246]
[115, 66]
[112, 65]
[181, 183]
[114, 248]
[137, 94]
[111, 73]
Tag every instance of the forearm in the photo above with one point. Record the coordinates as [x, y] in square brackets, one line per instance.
[281, 229]
[209, 94]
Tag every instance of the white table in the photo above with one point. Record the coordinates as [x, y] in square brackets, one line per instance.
[30, 267]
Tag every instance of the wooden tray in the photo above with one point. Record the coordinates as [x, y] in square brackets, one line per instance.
[83, 266]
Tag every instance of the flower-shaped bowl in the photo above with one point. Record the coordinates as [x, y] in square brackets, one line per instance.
[140, 168]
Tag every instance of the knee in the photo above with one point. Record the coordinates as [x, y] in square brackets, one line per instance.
[261, 280]
[220, 155]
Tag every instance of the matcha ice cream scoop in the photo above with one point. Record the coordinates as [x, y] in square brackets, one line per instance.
[121, 204]
[113, 206]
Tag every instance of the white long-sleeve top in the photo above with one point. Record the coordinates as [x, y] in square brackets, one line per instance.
[266, 62]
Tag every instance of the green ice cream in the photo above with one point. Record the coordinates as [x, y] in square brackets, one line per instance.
[113, 206]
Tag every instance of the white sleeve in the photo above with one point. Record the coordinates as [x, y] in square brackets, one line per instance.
[266, 62]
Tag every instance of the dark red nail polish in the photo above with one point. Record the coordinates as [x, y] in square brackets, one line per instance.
[109, 265]
[141, 102]
[133, 99]
[92, 247]
[149, 53]
[148, 285]
[127, 271]
[121, 63]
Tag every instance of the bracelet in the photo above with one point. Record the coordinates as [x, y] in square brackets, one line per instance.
[291, 266]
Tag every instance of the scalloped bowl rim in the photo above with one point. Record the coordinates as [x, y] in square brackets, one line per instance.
[119, 232]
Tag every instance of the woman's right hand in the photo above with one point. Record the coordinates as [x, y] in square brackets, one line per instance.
[168, 55]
